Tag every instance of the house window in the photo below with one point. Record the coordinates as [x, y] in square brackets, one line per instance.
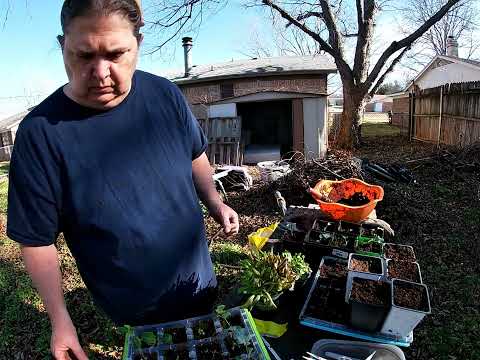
[226, 91]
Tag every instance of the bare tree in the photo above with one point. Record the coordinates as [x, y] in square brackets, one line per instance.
[359, 81]
[460, 22]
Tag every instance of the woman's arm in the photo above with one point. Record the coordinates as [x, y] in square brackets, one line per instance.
[202, 177]
[42, 265]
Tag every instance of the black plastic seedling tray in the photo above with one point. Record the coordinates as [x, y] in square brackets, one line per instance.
[204, 337]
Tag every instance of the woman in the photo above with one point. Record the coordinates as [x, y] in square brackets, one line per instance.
[114, 160]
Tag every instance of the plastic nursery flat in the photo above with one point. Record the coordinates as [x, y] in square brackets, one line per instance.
[192, 344]
[345, 329]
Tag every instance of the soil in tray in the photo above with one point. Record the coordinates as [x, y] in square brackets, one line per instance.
[322, 238]
[147, 356]
[295, 236]
[370, 292]
[357, 199]
[410, 296]
[327, 304]
[235, 320]
[233, 347]
[209, 351]
[365, 264]
[203, 329]
[304, 222]
[398, 252]
[372, 246]
[404, 270]
[332, 269]
[179, 354]
[178, 335]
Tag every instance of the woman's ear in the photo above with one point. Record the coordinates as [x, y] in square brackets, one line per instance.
[61, 40]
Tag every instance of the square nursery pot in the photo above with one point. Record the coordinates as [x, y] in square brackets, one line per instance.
[372, 232]
[364, 266]
[331, 238]
[398, 252]
[403, 270]
[410, 304]
[369, 303]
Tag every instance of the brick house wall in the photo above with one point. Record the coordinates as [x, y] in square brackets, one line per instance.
[212, 91]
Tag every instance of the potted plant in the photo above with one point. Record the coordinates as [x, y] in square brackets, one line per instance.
[409, 305]
[368, 246]
[266, 276]
[369, 302]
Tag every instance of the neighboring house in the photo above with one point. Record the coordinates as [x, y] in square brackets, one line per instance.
[379, 103]
[282, 101]
[8, 130]
[443, 69]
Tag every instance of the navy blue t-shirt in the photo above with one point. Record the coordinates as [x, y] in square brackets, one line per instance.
[119, 185]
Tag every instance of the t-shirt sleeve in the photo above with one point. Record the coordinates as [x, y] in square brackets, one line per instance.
[34, 189]
[198, 139]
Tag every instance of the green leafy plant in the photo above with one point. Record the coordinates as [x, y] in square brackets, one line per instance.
[223, 313]
[146, 339]
[266, 275]
[301, 268]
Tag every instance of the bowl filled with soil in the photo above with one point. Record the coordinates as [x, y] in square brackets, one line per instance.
[370, 301]
[348, 200]
[399, 252]
[410, 303]
[403, 270]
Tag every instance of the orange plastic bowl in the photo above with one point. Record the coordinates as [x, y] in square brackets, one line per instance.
[344, 189]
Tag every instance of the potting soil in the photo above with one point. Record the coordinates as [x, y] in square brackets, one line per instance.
[370, 292]
[404, 270]
[411, 297]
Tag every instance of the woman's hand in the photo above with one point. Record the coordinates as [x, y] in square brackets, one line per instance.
[227, 217]
[64, 341]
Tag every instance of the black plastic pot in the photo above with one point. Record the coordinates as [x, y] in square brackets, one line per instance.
[367, 317]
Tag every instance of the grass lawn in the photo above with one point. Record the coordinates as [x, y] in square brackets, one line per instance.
[379, 129]
[439, 216]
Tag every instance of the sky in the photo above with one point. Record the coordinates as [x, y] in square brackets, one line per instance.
[31, 60]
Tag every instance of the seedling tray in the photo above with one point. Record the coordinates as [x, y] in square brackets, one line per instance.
[192, 346]
[333, 302]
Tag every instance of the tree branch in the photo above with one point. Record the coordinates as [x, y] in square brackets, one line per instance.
[407, 41]
[389, 70]
[365, 18]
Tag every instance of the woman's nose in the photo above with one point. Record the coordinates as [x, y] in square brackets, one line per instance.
[101, 69]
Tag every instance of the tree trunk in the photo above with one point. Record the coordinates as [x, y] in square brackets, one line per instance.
[353, 106]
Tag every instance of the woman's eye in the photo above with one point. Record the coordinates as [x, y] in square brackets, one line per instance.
[115, 56]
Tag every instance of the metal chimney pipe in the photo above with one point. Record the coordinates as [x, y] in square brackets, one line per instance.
[187, 47]
[452, 46]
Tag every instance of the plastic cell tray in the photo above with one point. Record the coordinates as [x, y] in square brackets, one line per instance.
[164, 351]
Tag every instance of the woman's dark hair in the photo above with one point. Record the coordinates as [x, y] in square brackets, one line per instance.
[76, 8]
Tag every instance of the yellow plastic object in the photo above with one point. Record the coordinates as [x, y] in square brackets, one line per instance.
[261, 236]
[332, 191]
[270, 328]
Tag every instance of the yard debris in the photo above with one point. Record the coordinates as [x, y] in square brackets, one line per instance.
[236, 178]
[388, 173]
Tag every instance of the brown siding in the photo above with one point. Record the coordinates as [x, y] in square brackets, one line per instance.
[210, 92]
[297, 110]
[400, 110]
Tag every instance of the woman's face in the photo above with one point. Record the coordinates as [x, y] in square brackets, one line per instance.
[100, 56]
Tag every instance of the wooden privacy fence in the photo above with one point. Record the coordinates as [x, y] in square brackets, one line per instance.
[223, 136]
[448, 114]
